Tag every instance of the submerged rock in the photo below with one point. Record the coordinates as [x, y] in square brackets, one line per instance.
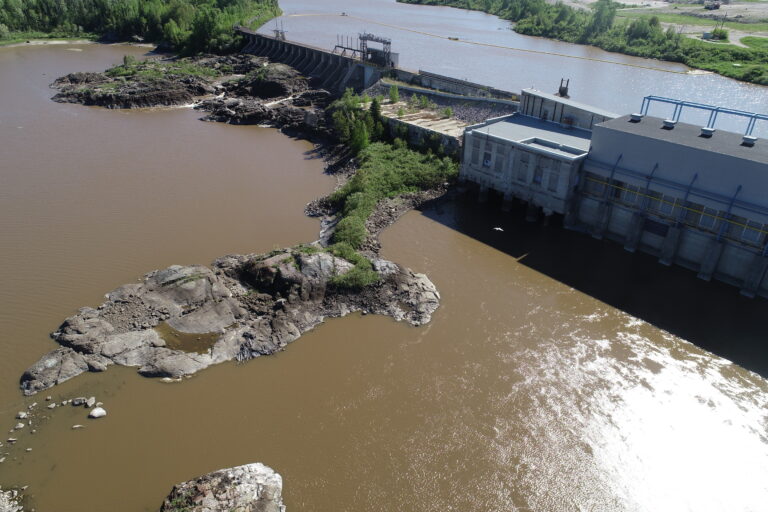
[248, 488]
[247, 305]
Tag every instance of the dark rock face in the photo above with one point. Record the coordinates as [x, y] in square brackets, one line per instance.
[256, 304]
[248, 488]
[270, 81]
[85, 88]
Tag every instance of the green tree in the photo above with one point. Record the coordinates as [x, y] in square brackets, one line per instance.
[394, 94]
[360, 138]
[375, 109]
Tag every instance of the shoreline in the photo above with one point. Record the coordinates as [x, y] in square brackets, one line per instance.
[64, 41]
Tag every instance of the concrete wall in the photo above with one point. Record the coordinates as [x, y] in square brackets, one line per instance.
[559, 112]
[329, 71]
[517, 172]
[452, 85]
[421, 136]
[481, 102]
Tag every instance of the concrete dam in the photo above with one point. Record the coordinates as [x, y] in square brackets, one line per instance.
[331, 71]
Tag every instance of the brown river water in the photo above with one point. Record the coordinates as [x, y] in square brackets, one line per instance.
[556, 375]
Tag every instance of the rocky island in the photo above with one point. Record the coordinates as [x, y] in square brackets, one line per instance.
[237, 89]
[182, 319]
[248, 488]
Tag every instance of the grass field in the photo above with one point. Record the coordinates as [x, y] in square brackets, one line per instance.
[683, 19]
[760, 43]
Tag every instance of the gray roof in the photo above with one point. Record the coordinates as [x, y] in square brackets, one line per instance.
[520, 128]
[570, 103]
[722, 142]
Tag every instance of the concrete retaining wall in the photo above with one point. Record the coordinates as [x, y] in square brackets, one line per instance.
[452, 85]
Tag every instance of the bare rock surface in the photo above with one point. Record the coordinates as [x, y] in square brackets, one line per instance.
[9, 501]
[249, 488]
[247, 305]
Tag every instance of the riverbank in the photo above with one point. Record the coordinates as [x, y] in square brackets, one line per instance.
[643, 37]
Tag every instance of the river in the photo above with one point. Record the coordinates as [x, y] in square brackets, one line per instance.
[551, 379]
[489, 52]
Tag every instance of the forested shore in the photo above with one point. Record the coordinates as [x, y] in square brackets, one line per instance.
[185, 26]
[642, 37]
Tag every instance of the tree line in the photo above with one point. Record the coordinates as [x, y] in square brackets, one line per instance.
[643, 37]
[189, 26]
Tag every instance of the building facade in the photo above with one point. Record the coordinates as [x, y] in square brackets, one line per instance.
[692, 196]
[525, 158]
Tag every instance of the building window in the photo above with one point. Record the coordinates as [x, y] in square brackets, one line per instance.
[630, 194]
[487, 154]
[743, 230]
[736, 227]
[617, 189]
[654, 200]
[667, 205]
[693, 213]
[753, 233]
[593, 184]
[522, 168]
[475, 151]
[538, 174]
[498, 165]
[554, 179]
[708, 218]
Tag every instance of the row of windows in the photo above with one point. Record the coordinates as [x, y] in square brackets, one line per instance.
[542, 165]
[691, 213]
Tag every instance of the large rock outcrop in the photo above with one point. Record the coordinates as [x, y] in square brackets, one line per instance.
[9, 501]
[249, 488]
[246, 306]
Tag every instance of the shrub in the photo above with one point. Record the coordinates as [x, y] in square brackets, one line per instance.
[351, 230]
[394, 94]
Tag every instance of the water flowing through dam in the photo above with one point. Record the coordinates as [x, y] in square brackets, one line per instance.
[551, 378]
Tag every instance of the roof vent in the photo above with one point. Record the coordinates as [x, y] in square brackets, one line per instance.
[748, 140]
[669, 124]
[635, 118]
[707, 131]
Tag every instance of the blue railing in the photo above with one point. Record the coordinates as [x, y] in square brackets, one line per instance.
[713, 111]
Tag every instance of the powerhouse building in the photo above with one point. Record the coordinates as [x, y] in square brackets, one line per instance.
[692, 196]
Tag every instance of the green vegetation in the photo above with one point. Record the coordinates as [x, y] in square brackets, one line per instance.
[154, 70]
[386, 170]
[637, 34]
[760, 43]
[394, 94]
[189, 26]
[689, 19]
[720, 34]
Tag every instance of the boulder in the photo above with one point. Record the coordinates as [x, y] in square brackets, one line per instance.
[97, 412]
[248, 488]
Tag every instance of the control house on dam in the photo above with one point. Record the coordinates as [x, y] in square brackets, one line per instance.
[689, 195]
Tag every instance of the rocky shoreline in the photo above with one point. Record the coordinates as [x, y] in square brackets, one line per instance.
[235, 89]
